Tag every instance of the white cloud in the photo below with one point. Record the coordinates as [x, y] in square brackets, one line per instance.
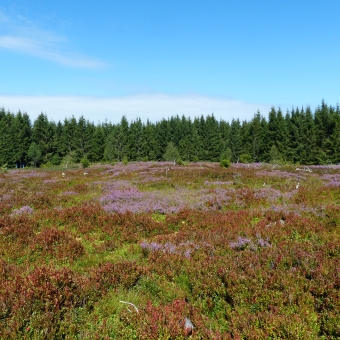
[149, 106]
[25, 37]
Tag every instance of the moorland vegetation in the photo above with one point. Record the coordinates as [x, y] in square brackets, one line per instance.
[153, 250]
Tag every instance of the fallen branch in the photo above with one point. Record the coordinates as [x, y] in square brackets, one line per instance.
[131, 304]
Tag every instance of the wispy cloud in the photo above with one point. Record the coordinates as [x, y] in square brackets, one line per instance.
[25, 37]
[149, 106]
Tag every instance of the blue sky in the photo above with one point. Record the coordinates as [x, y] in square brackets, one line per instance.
[155, 59]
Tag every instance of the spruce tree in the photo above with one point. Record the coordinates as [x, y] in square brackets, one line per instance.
[22, 131]
[213, 143]
[42, 135]
[70, 138]
[7, 152]
[235, 142]
[97, 145]
[151, 149]
[257, 136]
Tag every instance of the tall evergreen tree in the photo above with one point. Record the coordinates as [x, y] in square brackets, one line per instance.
[163, 135]
[256, 137]
[42, 135]
[198, 135]
[136, 140]
[335, 141]
[235, 142]
[7, 153]
[97, 144]
[151, 149]
[278, 132]
[213, 143]
[324, 126]
[69, 136]
[117, 141]
[83, 136]
[22, 131]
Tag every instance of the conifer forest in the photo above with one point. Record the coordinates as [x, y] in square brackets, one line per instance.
[296, 136]
[180, 229]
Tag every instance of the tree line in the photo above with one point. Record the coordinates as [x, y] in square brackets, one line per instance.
[297, 136]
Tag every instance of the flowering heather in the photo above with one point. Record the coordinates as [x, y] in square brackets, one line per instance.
[121, 196]
[119, 168]
[23, 210]
[258, 258]
[277, 173]
[47, 181]
[135, 201]
[326, 167]
[68, 193]
[331, 179]
[24, 174]
[270, 194]
[247, 165]
[243, 243]
[183, 248]
[263, 243]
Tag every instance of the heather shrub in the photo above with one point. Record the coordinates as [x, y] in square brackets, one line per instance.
[113, 275]
[250, 251]
[33, 305]
[57, 243]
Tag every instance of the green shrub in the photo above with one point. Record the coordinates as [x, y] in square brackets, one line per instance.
[245, 158]
[85, 163]
[225, 163]
[47, 165]
[125, 160]
[3, 168]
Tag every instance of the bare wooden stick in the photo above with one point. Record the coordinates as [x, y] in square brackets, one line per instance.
[131, 304]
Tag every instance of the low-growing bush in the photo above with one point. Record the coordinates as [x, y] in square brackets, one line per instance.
[225, 163]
